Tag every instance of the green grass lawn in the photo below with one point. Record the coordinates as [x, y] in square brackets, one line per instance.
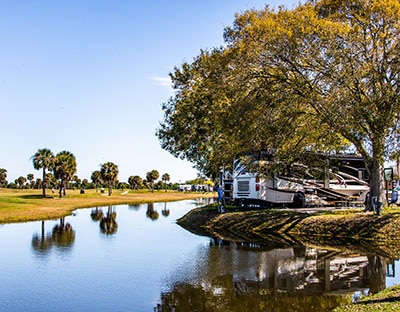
[29, 205]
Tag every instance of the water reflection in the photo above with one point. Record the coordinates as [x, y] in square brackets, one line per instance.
[42, 243]
[96, 214]
[244, 277]
[151, 213]
[108, 224]
[205, 201]
[165, 211]
[62, 236]
[377, 267]
[134, 207]
[163, 267]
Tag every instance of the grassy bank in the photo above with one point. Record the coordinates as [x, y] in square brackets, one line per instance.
[346, 229]
[387, 300]
[342, 230]
[29, 205]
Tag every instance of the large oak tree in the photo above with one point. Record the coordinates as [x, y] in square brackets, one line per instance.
[322, 76]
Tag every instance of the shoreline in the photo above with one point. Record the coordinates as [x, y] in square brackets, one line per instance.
[335, 229]
[28, 205]
[343, 230]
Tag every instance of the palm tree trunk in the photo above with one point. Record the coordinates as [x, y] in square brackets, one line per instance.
[44, 183]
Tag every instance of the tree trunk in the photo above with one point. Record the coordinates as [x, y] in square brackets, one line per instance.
[60, 190]
[376, 187]
[43, 183]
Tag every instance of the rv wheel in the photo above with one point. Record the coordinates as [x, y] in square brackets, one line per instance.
[299, 200]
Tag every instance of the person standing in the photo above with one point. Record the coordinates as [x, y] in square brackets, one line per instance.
[221, 202]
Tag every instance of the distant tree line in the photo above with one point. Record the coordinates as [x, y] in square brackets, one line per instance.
[59, 174]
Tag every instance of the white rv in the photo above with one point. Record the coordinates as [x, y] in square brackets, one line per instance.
[346, 184]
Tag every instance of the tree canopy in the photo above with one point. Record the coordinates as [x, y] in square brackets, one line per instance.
[151, 176]
[3, 177]
[109, 175]
[43, 159]
[323, 76]
[64, 169]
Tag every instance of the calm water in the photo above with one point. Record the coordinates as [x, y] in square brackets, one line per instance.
[141, 260]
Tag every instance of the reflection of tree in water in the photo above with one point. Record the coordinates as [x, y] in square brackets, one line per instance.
[108, 224]
[377, 266]
[134, 207]
[165, 211]
[151, 213]
[96, 214]
[42, 243]
[63, 235]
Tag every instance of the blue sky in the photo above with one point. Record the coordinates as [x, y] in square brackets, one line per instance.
[90, 76]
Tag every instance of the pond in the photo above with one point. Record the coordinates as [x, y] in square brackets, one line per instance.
[136, 258]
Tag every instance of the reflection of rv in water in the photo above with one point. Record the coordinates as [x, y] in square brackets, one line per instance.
[341, 181]
[299, 269]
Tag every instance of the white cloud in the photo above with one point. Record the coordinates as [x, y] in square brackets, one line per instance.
[162, 81]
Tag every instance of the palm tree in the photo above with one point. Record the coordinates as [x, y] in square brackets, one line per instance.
[50, 180]
[151, 177]
[64, 169]
[38, 183]
[30, 177]
[43, 159]
[165, 178]
[3, 177]
[77, 182]
[96, 178]
[85, 183]
[135, 182]
[109, 175]
[21, 182]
